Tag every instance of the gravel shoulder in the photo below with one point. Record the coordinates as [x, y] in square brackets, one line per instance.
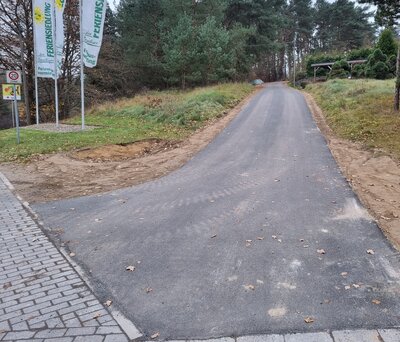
[373, 175]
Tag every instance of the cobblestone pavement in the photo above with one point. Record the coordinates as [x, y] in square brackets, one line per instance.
[42, 298]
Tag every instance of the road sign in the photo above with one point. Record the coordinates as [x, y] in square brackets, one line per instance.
[14, 76]
[8, 92]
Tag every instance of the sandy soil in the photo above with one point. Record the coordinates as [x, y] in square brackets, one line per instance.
[90, 171]
[373, 175]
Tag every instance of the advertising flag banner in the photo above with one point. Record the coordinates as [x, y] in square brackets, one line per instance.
[43, 25]
[49, 35]
[60, 5]
[93, 15]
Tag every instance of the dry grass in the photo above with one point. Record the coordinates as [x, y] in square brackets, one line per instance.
[362, 111]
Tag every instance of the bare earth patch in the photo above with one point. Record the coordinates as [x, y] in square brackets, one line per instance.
[89, 171]
[374, 176]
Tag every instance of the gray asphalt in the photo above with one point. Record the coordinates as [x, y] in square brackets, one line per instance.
[268, 174]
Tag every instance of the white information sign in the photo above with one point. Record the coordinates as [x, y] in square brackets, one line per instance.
[14, 76]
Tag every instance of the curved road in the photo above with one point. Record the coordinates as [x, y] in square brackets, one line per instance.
[269, 177]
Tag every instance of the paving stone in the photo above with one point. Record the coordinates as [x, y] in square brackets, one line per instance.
[356, 336]
[309, 337]
[261, 338]
[50, 333]
[390, 335]
[80, 331]
[116, 338]
[108, 330]
[89, 339]
[20, 335]
[43, 302]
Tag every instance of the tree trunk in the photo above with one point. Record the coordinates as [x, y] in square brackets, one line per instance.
[397, 88]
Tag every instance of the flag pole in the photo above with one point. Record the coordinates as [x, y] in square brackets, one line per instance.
[36, 71]
[55, 62]
[82, 67]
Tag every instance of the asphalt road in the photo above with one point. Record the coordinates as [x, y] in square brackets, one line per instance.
[268, 175]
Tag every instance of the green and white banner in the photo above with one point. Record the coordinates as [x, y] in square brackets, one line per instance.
[60, 5]
[49, 35]
[93, 15]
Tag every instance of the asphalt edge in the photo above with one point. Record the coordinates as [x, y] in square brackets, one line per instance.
[125, 324]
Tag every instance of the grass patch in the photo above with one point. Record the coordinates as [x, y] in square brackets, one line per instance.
[169, 115]
[362, 111]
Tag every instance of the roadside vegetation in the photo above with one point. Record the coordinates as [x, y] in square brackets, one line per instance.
[362, 111]
[167, 115]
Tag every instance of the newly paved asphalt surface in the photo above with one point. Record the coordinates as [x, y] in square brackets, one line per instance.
[268, 175]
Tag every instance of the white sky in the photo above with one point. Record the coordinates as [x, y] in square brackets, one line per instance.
[113, 4]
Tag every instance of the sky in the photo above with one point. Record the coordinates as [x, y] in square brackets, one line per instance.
[113, 4]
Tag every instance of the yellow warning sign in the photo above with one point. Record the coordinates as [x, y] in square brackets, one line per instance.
[8, 91]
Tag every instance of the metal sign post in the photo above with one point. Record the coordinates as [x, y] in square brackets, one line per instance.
[15, 104]
[14, 77]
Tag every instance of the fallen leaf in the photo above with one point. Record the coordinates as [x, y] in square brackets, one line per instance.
[148, 289]
[72, 254]
[157, 334]
[309, 320]
[321, 251]
[248, 244]
[97, 315]
[277, 180]
[249, 241]
[356, 286]
[343, 274]
[347, 287]
[35, 239]
[370, 251]
[98, 219]
[213, 236]
[130, 268]
[108, 303]
[274, 236]
[260, 238]
[250, 287]
[279, 240]
[306, 246]
[376, 301]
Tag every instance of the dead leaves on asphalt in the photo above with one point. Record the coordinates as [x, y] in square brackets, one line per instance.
[309, 320]
[249, 287]
[370, 251]
[108, 303]
[155, 335]
[130, 268]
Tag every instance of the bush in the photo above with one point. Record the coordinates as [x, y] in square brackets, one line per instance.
[387, 42]
[340, 69]
[380, 70]
[358, 71]
[378, 66]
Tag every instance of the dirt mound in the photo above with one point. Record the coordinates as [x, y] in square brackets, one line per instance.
[123, 151]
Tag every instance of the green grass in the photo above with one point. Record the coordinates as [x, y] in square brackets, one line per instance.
[169, 115]
[362, 111]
